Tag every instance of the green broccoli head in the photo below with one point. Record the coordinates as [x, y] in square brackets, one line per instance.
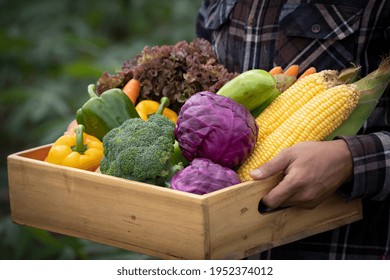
[139, 150]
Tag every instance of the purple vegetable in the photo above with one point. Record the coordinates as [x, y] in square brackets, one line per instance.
[215, 127]
[203, 176]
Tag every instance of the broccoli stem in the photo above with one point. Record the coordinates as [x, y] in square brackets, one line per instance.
[171, 170]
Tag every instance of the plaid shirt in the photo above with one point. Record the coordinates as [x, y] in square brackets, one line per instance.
[249, 34]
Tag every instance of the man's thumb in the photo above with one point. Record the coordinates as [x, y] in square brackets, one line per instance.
[275, 165]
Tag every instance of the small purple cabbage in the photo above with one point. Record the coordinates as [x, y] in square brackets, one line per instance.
[203, 176]
[215, 127]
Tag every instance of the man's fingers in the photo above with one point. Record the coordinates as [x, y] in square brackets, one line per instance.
[275, 165]
[278, 196]
[288, 193]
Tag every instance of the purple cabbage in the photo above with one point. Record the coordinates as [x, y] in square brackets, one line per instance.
[217, 128]
[203, 176]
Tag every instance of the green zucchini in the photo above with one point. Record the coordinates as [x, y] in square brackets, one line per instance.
[251, 88]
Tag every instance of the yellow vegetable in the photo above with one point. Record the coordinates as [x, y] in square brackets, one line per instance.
[147, 107]
[313, 121]
[78, 150]
[371, 88]
[292, 99]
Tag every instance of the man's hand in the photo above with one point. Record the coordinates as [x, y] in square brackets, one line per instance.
[312, 172]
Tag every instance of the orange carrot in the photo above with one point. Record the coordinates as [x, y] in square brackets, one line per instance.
[307, 72]
[132, 89]
[293, 70]
[276, 70]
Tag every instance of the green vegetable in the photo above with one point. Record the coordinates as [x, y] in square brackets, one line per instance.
[257, 111]
[101, 114]
[177, 155]
[283, 82]
[142, 150]
[251, 88]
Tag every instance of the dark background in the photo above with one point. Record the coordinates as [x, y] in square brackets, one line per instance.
[49, 52]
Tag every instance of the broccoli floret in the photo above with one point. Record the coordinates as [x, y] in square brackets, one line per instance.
[140, 150]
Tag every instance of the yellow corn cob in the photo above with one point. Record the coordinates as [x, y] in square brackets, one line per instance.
[292, 99]
[313, 121]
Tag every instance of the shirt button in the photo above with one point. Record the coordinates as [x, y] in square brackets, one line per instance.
[251, 21]
[315, 28]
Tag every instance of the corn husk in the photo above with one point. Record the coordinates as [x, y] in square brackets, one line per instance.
[371, 88]
[284, 81]
[349, 75]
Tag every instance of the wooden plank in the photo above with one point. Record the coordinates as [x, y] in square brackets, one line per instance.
[253, 232]
[140, 217]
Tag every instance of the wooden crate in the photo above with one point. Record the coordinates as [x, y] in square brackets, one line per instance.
[160, 222]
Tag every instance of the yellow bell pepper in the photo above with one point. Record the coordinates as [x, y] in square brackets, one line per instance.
[145, 108]
[79, 150]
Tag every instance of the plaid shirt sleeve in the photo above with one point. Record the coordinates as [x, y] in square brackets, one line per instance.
[371, 166]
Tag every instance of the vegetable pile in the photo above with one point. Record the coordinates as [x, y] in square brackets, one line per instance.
[174, 117]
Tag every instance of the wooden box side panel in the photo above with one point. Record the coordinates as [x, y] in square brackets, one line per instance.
[122, 213]
[238, 230]
[39, 153]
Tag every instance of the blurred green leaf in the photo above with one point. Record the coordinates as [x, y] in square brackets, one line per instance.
[82, 69]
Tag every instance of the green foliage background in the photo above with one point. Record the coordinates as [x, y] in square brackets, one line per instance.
[49, 52]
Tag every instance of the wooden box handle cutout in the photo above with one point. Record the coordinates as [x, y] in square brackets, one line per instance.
[264, 209]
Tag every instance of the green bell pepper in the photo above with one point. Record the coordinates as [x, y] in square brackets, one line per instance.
[102, 113]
